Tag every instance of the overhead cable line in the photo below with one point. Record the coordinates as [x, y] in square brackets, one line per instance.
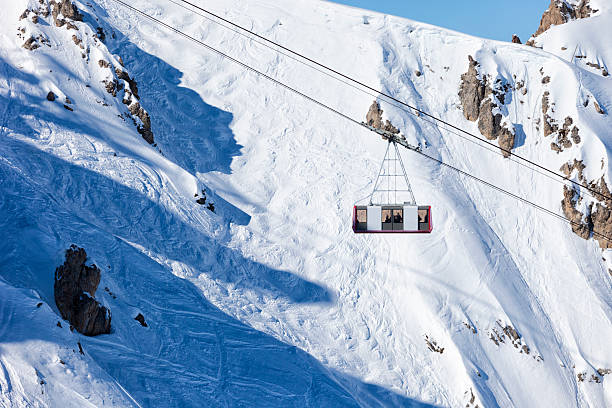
[494, 149]
[386, 135]
[379, 92]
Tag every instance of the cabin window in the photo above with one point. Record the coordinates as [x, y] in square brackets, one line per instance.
[387, 220]
[398, 216]
[362, 216]
[398, 220]
[423, 216]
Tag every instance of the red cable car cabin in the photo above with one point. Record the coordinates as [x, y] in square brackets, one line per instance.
[407, 219]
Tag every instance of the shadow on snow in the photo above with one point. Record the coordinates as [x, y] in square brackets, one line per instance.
[192, 353]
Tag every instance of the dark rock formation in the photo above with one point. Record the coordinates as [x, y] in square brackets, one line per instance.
[101, 34]
[580, 225]
[559, 12]
[75, 287]
[130, 98]
[111, 87]
[77, 41]
[140, 318]
[131, 82]
[31, 44]
[569, 167]
[50, 96]
[471, 91]
[601, 217]
[478, 101]
[374, 119]
[598, 219]
[66, 9]
[516, 39]
[598, 108]
[488, 123]
[433, 346]
[145, 127]
[563, 133]
[506, 141]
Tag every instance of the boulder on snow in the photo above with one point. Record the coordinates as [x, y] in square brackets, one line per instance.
[516, 39]
[50, 96]
[140, 318]
[74, 289]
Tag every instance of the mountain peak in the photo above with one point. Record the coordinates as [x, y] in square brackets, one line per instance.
[561, 11]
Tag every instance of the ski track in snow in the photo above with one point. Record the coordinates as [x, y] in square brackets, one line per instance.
[272, 300]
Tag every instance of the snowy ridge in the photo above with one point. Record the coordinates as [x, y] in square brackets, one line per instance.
[272, 300]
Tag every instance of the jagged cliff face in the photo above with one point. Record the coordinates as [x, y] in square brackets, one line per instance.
[561, 11]
[589, 211]
[481, 98]
[49, 15]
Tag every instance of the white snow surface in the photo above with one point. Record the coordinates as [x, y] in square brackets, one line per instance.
[273, 300]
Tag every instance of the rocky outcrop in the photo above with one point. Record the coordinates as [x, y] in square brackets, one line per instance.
[118, 82]
[561, 11]
[63, 10]
[480, 102]
[597, 219]
[598, 108]
[432, 345]
[601, 215]
[471, 91]
[581, 225]
[75, 287]
[31, 44]
[516, 39]
[564, 135]
[569, 167]
[374, 119]
[122, 82]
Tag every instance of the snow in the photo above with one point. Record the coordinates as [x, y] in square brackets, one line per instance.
[272, 300]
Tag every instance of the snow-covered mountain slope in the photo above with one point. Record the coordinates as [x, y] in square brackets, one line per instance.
[272, 300]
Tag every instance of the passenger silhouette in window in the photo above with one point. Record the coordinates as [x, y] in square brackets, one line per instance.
[386, 216]
[398, 217]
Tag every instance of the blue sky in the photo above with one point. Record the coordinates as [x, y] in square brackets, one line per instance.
[484, 18]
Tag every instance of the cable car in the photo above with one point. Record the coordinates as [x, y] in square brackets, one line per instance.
[386, 212]
[403, 218]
